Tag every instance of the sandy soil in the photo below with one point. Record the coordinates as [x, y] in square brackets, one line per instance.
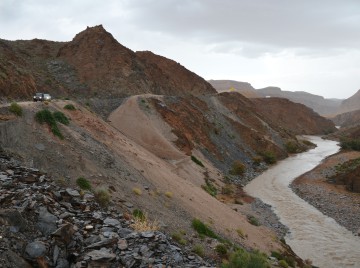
[332, 200]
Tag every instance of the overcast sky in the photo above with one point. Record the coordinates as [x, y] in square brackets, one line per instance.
[303, 45]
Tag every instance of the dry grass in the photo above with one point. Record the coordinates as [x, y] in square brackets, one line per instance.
[137, 191]
[144, 224]
[169, 194]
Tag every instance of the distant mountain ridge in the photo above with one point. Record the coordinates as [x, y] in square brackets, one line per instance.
[319, 104]
[351, 104]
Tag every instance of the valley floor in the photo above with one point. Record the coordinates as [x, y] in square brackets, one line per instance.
[332, 200]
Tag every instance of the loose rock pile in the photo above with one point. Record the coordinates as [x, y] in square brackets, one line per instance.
[44, 225]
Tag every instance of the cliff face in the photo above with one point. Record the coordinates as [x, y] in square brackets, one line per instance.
[318, 103]
[347, 119]
[351, 104]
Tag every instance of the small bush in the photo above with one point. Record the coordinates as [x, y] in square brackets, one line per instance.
[199, 250]
[137, 213]
[179, 238]
[350, 144]
[292, 147]
[16, 109]
[253, 220]
[102, 196]
[209, 188]
[70, 107]
[61, 118]
[238, 168]
[168, 194]
[240, 233]
[308, 143]
[227, 189]
[257, 160]
[83, 183]
[269, 157]
[221, 250]
[144, 224]
[283, 264]
[45, 116]
[203, 229]
[137, 191]
[243, 259]
[197, 161]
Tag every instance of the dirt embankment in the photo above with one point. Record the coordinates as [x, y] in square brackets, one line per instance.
[331, 199]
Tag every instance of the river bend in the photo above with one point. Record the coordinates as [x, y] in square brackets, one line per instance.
[312, 235]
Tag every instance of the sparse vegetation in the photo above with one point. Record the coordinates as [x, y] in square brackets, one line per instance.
[199, 250]
[202, 229]
[292, 147]
[143, 224]
[238, 168]
[83, 183]
[308, 143]
[168, 194]
[243, 259]
[45, 116]
[209, 188]
[221, 250]
[269, 157]
[70, 107]
[137, 191]
[102, 196]
[241, 233]
[197, 161]
[227, 189]
[61, 118]
[16, 109]
[253, 220]
[283, 264]
[350, 144]
[137, 213]
[178, 237]
[257, 160]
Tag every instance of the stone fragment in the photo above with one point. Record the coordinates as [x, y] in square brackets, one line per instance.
[65, 233]
[72, 192]
[147, 234]
[35, 249]
[103, 255]
[111, 222]
[122, 244]
[12, 259]
[46, 222]
[13, 218]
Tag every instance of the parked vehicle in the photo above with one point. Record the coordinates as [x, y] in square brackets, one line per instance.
[38, 97]
[42, 97]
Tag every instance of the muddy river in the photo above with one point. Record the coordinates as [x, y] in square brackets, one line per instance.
[312, 235]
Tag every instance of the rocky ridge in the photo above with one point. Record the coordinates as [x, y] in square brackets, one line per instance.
[45, 225]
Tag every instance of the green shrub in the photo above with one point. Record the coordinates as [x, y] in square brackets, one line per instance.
[70, 107]
[283, 264]
[197, 161]
[243, 259]
[257, 160]
[238, 168]
[350, 144]
[83, 183]
[61, 118]
[253, 220]
[276, 255]
[227, 189]
[203, 229]
[308, 143]
[16, 109]
[179, 238]
[292, 147]
[221, 250]
[199, 250]
[45, 116]
[269, 157]
[137, 213]
[209, 188]
[102, 196]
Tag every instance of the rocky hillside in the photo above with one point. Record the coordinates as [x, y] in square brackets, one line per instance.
[92, 64]
[243, 88]
[347, 119]
[319, 104]
[350, 104]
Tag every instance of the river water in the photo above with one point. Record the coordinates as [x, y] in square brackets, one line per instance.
[312, 235]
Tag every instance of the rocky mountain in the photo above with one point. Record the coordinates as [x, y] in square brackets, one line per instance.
[350, 104]
[92, 64]
[243, 88]
[347, 119]
[319, 104]
[155, 136]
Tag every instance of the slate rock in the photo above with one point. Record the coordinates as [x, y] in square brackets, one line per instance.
[35, 249]
[46, 222]
[103, 255]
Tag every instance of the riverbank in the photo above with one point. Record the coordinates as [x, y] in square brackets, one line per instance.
[332, 200]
